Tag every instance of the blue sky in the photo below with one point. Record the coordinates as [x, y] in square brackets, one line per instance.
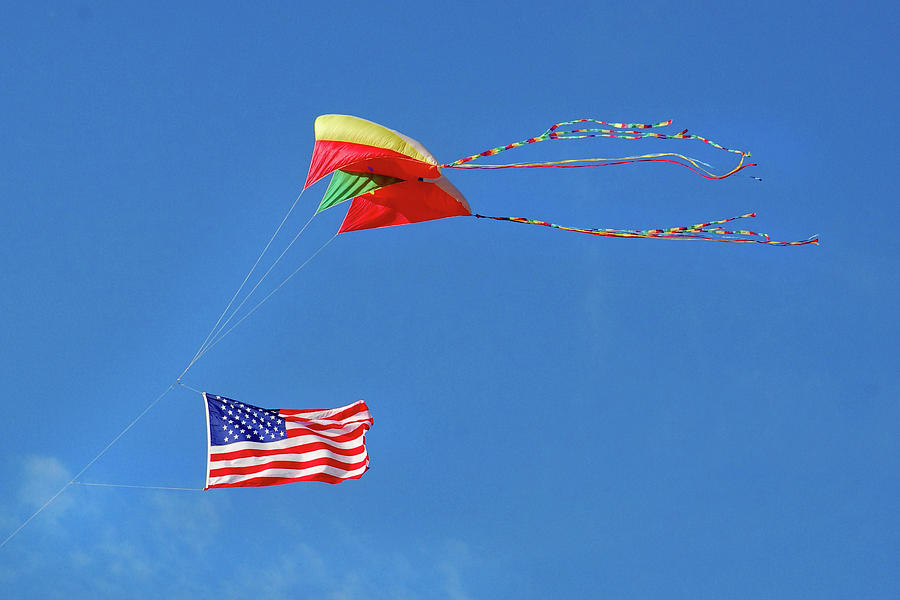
[556, 415]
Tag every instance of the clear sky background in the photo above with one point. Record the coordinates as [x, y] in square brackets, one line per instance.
[556, 415]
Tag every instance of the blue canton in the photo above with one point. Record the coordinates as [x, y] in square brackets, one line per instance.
[232, 421]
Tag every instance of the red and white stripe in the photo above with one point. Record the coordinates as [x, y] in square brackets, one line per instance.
[321, 445]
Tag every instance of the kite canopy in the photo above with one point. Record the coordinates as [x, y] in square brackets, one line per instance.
[392, 178]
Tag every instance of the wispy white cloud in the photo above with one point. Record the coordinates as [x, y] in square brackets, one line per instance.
[455, 558]
[186, 519]
[353, 565]
[43, 476]
[129, 542]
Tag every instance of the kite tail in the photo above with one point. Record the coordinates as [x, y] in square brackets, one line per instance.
[686, 162]
[709, 232]
[622, 131]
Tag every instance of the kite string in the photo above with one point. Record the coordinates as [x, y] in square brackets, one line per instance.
[222, 335]
[186, 386]
[204, 347]
[250, 293]
[212, 331]
[87, 466]
[36, 513]
[139, 487]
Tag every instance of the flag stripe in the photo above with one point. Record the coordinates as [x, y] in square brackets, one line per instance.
[289, 473]
[344, 441]
[247, 466]
[325, 428]
[264, 481]
[331, 414]
[339, 435]
[286, 474]
[289, 465]
[347, 449]
[327, 445]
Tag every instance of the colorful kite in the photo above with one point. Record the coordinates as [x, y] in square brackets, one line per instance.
[393, 179]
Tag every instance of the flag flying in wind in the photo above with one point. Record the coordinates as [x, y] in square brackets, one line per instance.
[253, 446]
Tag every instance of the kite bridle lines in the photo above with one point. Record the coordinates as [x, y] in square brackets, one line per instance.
[222, 334]
[219, 325]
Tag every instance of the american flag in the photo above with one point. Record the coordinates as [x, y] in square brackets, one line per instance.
[253, 446]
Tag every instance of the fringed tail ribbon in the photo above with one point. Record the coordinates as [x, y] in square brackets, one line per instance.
[622, 131]
[708, 232]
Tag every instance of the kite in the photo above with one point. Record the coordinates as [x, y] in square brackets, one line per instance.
[394, 180]
[391, 178]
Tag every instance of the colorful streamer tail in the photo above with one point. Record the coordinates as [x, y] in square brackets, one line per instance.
[709, 232]
[622, 131]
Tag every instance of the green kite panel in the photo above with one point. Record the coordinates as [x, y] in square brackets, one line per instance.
[345, 185]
